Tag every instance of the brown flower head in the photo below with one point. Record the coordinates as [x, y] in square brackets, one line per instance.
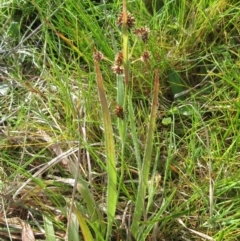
[117, 69]
[130, 20]
[98, 56]
[145, 56]
[142, 33]
[119, 59]
[119, 111]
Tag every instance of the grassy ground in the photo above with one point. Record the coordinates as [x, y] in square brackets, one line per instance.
[117, 126]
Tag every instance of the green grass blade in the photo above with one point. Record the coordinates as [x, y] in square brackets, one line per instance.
[120, 90]
[110, 153]
[146, 161]
[49, 230]
[94, 212]
[83, 225]
[134, 132]
[158, 215]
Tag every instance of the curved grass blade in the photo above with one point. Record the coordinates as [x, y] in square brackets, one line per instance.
[49, 229]
[110, 153]
[143, 182]
[84, 228]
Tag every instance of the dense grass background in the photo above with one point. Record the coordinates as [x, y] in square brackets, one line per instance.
[168, 169]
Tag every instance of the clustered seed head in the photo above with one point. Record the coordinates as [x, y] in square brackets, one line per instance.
[130, 20]
[145, 56]
[119, 59]
[142, 33]
[98, 56]
[119, 111]
[117, 69]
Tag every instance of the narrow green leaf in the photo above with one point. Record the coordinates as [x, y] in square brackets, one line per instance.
[120, 90]
[110, 153]
[134, 132]
[143, 181]
[84, 228]
[156, 217]
[49, 230]
[93, 212]
[73, 229]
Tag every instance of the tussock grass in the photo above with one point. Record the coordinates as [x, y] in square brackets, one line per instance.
[148, 154]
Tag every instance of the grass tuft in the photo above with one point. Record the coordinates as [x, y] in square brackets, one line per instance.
[140, 142]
